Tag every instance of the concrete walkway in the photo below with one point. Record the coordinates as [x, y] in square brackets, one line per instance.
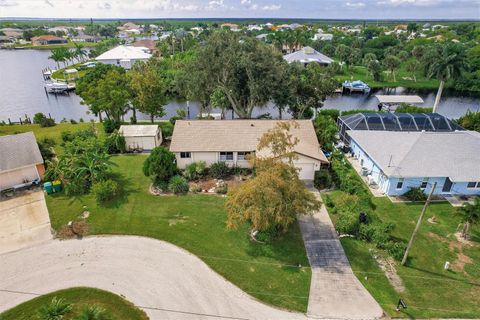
[335, 292]
[162, 279]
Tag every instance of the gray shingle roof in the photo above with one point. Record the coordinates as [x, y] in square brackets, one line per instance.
[423, 154]
[238, 135]
[19, 150]
[307, 55]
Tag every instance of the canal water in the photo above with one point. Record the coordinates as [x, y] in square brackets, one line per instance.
[22, 93]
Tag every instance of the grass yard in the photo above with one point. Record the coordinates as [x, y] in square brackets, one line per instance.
[196, 223]
[430, 291]
[361, 73]
[116, 306]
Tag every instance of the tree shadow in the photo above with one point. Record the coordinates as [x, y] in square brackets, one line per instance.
[125, 189]
[441, 275]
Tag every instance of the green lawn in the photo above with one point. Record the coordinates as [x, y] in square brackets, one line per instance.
[116, 306]
[431, 291]
[196, 223]
[361, 73]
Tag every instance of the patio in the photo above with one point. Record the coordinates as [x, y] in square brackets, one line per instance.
[358, 168]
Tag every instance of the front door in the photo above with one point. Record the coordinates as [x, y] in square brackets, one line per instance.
[447, 186]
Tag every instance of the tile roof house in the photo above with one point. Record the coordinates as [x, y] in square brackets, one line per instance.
[47, 39]
[398, 160]
[232, 140]
[20, 160]
[307, 55]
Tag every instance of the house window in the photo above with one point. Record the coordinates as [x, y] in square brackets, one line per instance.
[472, 184]
[185, 155]
[424, 183]
[400, 183]
[226, 156]
[242, 155]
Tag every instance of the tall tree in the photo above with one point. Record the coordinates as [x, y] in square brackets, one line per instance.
[470, 215]
[245, 69]
[59, 55]
[148, 88]
[449, 63]
[391, 62]
[343, 53]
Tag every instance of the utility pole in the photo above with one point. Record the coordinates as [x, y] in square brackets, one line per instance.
[419, 222]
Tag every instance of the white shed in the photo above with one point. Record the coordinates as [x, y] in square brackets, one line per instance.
[141, 137]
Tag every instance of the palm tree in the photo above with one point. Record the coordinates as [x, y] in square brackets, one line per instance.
[93, 313]
[79, 52]
[470, 215]
[449, 63]
[391, 63]
[57, 55]
[54, 310]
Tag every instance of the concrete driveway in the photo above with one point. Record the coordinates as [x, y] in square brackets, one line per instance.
[162, 279]
[24, 221]
[335, 291]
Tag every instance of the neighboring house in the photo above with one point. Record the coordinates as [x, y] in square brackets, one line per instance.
[124, 56]
[20, 160]
[145, 137]
[323, 37]
[262, 37]
[232, 141]
[397, 161]
[47, 39]
[306, 56]
[151, 45]
[85, 38]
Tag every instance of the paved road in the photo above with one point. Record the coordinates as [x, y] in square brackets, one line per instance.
[164, 280]
[335, 292]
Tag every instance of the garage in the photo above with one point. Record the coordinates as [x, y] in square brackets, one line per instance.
[141, 137]
[307, 170]
[17, 177]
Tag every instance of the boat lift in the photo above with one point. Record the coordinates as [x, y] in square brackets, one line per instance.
[391, 102]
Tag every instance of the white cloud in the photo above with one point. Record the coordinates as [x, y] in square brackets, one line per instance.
[272, 7]
[7, 3]
[355, 4]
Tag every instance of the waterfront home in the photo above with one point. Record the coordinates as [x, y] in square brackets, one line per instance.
[307, 55]
[141, 137]
[387, 121]
[47, 40]
[124, 56]
[232, 141]
[396, 161]
[85, 38]
[151, 45]
[322, 37]
[21, 162]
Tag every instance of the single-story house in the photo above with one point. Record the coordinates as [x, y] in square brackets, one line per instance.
[151, 45]
[397, 160]
[145, 137]
[20, 160]
[124, 56]
[323, 37]
[47, 39]
[232, 141]
[307, 55]
[85, 38]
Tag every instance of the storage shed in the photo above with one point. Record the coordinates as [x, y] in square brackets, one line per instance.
[21, 162]
[141, 137]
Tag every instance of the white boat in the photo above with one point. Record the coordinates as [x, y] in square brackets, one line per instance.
[57, 87]
[356, 86]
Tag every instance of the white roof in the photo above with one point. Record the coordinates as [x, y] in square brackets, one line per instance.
[125, 53]
[69, 71]
[307, 55]
[398, 99]
[139, 130]
[423, 154]
[19, 150]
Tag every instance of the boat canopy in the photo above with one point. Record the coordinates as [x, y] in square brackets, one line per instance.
[399, 99]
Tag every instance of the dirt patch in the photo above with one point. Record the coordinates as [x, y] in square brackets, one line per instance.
[461, 261]
[456, 246]
[77, 229]
[387, 264]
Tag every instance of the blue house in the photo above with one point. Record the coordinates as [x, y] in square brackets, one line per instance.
[399, 160]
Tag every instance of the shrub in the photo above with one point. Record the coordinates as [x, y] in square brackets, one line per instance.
[160, 165]
[195, 188]
[46, 149]
[328, 201]
[167, 129]
[415, 194]
[220, 170]
[332, 113]
[348, 223]
[68, 136]
[195, 170]
[72, 121]
[105, 190]
[42, 120]
[178, 184]
[396, 249]
[222, 189]
[115, 143]
[81, 120]
[322, 179]
[408, 108]
[110, 125]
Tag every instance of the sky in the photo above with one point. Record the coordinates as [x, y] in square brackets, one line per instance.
[320, 9]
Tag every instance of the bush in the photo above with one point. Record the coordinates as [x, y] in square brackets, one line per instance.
[42, 120]
[222, 189]
[322, 179]
[415, 194]
[167, 129]
[348, 223]
[68, 136]
[195, 170]
[408, 108]
[220, 170]
[160, 165]
[105, 190]
[397, 249]
[178, 184]
[195, 188]
[72, 121]
[332, 113]
[115, 143]
[110, 125]
[46, 149]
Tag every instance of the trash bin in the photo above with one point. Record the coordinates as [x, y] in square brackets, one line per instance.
[48, 187]
[57, 186]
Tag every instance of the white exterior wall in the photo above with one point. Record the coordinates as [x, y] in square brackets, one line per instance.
[9, 179]
[388, 185]
[146, 143]
[122, 62]
[307, 165]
